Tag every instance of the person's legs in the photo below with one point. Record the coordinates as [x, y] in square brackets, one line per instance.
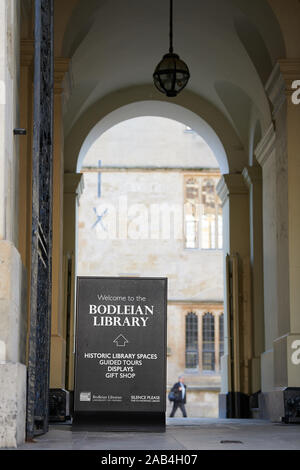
[175, 406]
[183, 410]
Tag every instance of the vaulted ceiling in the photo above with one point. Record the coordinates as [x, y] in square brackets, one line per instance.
[230, 47]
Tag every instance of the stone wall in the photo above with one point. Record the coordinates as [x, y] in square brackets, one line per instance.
[106, 248]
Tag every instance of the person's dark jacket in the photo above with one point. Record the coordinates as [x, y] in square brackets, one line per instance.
[177, 392]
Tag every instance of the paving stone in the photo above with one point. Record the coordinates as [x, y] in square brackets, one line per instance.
[181, 434]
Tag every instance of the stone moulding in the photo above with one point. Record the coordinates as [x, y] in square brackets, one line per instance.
[266, 146]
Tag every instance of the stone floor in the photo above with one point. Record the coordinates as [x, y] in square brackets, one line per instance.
[181, 434]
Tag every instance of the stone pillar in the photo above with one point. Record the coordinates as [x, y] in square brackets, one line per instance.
[25, 162]
[290, 375]
[13, 329]
[278, 154]
[253, 178]
[12, 277]
[58, 339]
[25, 175]
[266, 156]
[233, 400]
[73, 187]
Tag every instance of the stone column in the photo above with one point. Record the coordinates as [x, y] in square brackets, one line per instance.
[25, 176]
[289, 376]
[12, 277]
[73, 187]
[233, 400]
[278, 154]
[25, 161]
[58, 339]
[253, 178]
[266, 156]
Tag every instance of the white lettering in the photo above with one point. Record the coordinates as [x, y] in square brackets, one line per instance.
[144, 321]
[149, 309]
[296, 94]
[93, 309]
[112, 460]
[296, 354]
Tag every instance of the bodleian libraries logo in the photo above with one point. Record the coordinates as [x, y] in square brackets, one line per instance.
[123, 221]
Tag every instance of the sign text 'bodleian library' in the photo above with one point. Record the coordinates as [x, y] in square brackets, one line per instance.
[121, 344]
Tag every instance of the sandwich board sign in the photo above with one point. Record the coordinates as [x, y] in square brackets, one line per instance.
[120, 364]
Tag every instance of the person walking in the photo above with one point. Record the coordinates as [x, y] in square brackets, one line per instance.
[179, 390]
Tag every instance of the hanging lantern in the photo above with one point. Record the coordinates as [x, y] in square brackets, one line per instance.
[171, 74]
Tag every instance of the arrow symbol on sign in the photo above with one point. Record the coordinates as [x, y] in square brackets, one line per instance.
[121, 341]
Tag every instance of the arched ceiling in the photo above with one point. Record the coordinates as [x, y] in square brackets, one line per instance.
[156, 109]
[188, 108]
[230, 47]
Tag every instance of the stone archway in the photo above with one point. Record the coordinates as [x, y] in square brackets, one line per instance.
[138, 101]
[233, 191]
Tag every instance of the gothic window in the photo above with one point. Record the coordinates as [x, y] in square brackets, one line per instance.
[191, 215]
[208, 342]
[203, 213]
[211, 216]
[191, 341]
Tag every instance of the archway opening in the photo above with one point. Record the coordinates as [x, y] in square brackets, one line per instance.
[149, 208]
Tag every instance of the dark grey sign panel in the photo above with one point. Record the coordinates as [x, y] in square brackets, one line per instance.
[121, 345]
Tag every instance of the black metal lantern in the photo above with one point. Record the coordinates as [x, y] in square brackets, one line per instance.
[171, 74]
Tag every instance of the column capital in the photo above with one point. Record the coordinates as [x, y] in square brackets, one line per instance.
[266, 146]
[232, 184]
[73, 184]
[252, 175]
[61, 67]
